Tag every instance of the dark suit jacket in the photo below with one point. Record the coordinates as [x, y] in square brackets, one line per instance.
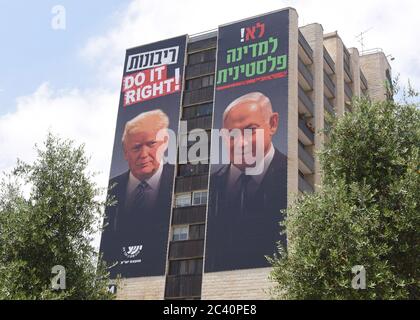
[146, 226]
[239, 239]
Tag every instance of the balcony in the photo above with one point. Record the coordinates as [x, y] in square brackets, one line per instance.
[189, 215]
[304, 186]
[306, 106]
[194, 46]
[328, 106]
[329, 65]
[198, 96]
[186, 184]
[305, 50]
[305, 76]
[347, 73]
[200, 69]
[306, 136]
[189, 169]
[183, 286]
[363, 81]
[186, 249]
[348, 92]
[329, 86]
[306, 160]
[203, 122]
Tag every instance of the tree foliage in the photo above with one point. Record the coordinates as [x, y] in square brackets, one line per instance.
[366, 213]
[52, 224]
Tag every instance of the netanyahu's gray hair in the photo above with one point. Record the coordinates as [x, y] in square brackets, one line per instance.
[160, 120]
[262, 101]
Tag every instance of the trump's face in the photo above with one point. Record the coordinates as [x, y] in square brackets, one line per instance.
[249, 115]
[144, 152]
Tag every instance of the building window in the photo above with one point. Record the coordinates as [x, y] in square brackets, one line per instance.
[180, 233]
[198, 83]
[186, 267]
[199, 197]
[197, 231]
[183, 200]
[185, 170]
[203, 56]
[197, 111]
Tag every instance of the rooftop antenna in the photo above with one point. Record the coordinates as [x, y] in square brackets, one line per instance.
[360, 37]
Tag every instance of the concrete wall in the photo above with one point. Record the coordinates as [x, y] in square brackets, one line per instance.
[238, 284]
[334, 46]
[355, 69]
[374, 67]
[313, 34]
[143, 288]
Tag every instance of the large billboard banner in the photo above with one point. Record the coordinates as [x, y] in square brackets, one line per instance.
[248, 192]
[135, 235]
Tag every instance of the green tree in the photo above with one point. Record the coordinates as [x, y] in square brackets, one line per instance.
[53, 224]
[366, 213]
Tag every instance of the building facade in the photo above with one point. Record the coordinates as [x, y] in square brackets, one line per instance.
[323, 77]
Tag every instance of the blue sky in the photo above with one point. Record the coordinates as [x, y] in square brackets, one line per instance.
[33, 52]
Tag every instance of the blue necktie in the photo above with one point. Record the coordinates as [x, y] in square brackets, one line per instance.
[139, 196]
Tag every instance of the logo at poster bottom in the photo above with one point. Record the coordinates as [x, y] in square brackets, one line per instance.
[132, 251]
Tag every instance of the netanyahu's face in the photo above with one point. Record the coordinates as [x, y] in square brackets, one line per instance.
[249, 115]
[144, 152]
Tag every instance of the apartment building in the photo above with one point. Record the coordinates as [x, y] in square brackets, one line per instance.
[323, 77]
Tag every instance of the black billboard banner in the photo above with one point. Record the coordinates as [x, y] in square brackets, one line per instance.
[135, 235]
[251, 93]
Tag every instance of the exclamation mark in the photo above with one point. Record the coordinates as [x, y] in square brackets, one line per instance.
[242, 34]
[177, 87]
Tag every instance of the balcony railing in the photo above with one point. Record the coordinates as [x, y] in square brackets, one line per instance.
[363, 80]
[306, 131]
[188, 215]
[329, 84]
[203, 122]
[183, 286]
[348, 71]
[306, 158]
[306, 103]
[305, 46]
[348, 91]
[186, 184]
[202, 44]
[329, 60]
[328, 106]
[200, 69]
[189, 169]
[198, 96]
[304, 185]
[186, 249]
[306, 74]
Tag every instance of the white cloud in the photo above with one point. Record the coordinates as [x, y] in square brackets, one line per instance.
[392, 26]
[86, 116]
